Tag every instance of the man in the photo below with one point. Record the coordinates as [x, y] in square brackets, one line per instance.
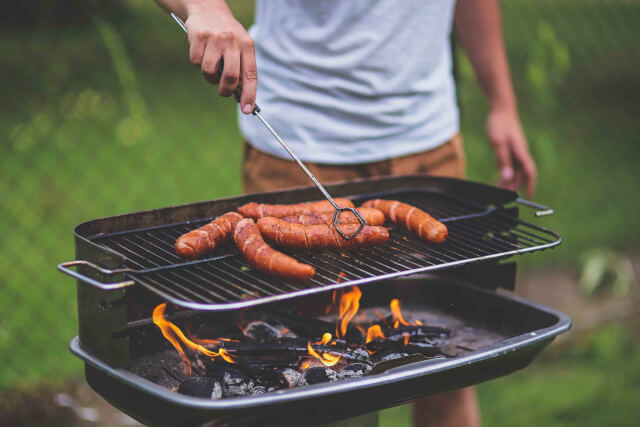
[361, 88]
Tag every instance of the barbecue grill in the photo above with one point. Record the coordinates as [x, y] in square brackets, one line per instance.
[127, 265]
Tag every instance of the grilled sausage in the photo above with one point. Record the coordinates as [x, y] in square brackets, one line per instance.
[204, 239]
[259, 210]
[411, 218]
[321, 236]
[372, 216]
[264, 258]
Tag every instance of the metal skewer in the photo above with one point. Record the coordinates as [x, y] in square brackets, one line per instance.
[256, 112]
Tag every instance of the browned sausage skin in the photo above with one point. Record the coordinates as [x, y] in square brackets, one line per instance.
[411, 218]
[259, 210]
[371, 215]
[204, 239]
[264, 258]
[320, 236]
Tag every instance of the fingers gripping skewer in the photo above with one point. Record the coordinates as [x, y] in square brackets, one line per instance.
[256, 112]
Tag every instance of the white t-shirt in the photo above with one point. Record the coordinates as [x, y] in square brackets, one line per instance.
[355, 81]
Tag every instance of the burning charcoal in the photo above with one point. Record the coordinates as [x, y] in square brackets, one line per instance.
[426, 349]
[208, 387]
[291, 376]
[354, 370]
[382, 356]
[318, 375]
[315, 328]
[261, 332]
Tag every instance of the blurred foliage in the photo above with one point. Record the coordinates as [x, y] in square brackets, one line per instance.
[603, 268]
[109, 117]
[27, 14]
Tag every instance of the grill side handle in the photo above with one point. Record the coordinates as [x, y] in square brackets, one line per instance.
[65, 268]
[542, 209]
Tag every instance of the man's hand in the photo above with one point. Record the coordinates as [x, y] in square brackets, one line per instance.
[479, 27]
[216, 37]
[512, 153]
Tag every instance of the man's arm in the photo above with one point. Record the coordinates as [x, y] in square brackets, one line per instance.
[214, 34]
[479, 28]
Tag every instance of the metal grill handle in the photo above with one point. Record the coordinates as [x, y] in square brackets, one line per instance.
[65, 268]
[542, 209]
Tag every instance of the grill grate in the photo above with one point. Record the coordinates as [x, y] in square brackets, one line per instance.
[226, 281]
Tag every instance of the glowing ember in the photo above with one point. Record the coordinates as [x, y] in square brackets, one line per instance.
[327, 359]
[349, 305]
[406, 338]
[374, 332]
[172, 333]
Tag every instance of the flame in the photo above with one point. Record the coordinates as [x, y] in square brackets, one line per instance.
[406, 338]
[397, 315]
[171, 331]
[374, 332]
[349, 305]
[327, 359]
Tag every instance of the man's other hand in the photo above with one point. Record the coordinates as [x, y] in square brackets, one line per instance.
[516, 166]
[214, 34]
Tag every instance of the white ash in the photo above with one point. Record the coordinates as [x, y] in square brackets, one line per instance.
[392, 356]
[258, 390]
[216, 392]
[237, 386]
[361, 352]
[292, 376]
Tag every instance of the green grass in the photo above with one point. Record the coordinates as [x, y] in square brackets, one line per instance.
[83, 139]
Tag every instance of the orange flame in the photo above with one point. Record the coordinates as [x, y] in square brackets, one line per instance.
[349, 305]
[171, 331]
[397, 315]
[374, 332]
[327, 359]
[406, 338]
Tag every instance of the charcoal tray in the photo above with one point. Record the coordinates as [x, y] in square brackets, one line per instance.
[527, 328]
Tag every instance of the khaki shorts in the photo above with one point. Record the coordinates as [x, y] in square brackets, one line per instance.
[264, 172]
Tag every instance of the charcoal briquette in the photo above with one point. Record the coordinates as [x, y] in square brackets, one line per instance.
[207, 387]
[317, 375]
[354, 370]
[261, 332]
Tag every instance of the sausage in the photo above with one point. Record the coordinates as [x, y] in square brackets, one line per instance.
[320, 236]
[411, 218]
[371, 215]
[204, 239]
[264, 258]
[259, 210]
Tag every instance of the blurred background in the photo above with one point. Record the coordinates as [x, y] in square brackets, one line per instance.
[102, 114]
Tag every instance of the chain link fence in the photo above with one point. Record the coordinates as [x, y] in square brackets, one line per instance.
[105, 116]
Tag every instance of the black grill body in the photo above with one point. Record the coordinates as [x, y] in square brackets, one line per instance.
[115, 326]
[527, 329]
